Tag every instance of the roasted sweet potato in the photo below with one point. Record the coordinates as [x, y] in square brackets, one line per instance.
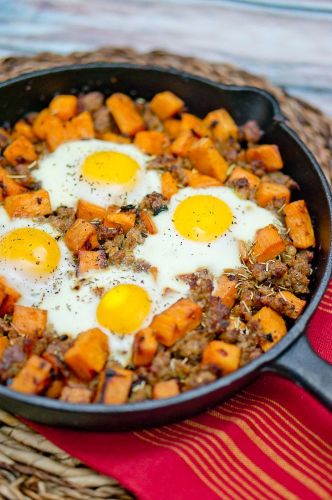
[55, 389]
[64, 106]
[268, 244]
[125, 114]
[9, 298]
[182, 144]
[88, 211]
[299, 224]
[251, 180]
[9, 186]
[34, 377]
[21, 150]
[221, 125]
[172, 127]
[293, 306]
[152, 142]
[89, 353]
[205, 157]
[4, 343]
[148, 222]
[224, 356]
[56, 132]
[110, 136]
[31, 204]
[91, 259]
[126, 220]
[117, 386]
[194, 124]
[267, 155]
[226, 290]
[29, 321]
[92, 243]
[176, 321]
[80, 127]
[39, 126]
[268, 192]
[273, 326]
[194, 179]
[145, 347]
[78, 234]
[82, 395]
[23, 128]
[165, 389]
[166, 104]
[168, 185]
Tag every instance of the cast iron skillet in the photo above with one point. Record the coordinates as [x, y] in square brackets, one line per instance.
[292, 356]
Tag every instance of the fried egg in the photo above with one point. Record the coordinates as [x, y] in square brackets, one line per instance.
[100, 172]
[201, 229]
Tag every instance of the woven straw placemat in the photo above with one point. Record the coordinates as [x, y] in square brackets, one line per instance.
[30, 466]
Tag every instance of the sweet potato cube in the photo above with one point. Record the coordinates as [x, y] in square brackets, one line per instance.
[145, 347]
[194, 179]
[166, 104]
[226, 290]
[205, 157]
[82, 395]
[148, 222]
[81, 127]
[152, 142]
[165, 389]
[125, 114]
[29, 321]
[293, 306]
[54, 390]
[88, 211]
[126, 220]
[31, 204]
[268, 244]
[63, 106]
[9, 185]
[173, 323]
[91, 259]
[224, 356]
[4, 343]
[268, 155]
[268, 192]
[251, 180]
[39, 125]
[78, 234]
[21, 150]
[182, 144]
[33, 377]
[23, 128]
[272, 325]
[89, 353]
[9, 298]
[110, 136]
[221, 124]
[299, 224]
[172, 127]
[168, 185]
[117, 386]
[194, 124]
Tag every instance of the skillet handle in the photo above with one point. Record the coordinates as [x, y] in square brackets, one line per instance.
[302, 365]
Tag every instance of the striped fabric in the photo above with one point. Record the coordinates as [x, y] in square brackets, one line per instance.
[272, 440]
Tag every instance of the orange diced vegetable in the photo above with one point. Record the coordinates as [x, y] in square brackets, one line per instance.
[88, 211]
[166, 104]
[207, 160]
[81, 127]
[182, 144]
[110, 136]
[294, 305]
[124, 219]
[194, 124]
[33, 377]
[145, 347]
[80, 395]
[272, 324]
[221, 124]
[55, 389]
[39, 125]
[9, 298]
[9, 186]
[89, 353]
[224, 356]
[268, 244]
[168, 185]
[165, 389]
[91, 259]
[29, 321]
[172, 127]
[176, 321]
[240, 173]
[148, 222]
[21, 150]
[299, 224]
[4, 343]
[268, 192]
[31, 204]
[78, 234]
[55, 132]
[118, 386]
[64, 106]
[151, 142]
[268, 155]
[22, 128]
[125, 114]
[93, 242]
[194, 179]
[226, 290]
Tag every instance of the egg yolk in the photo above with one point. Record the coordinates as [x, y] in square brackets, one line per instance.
[110, 167]
[124, 308]
[202, 218]
[35, 250]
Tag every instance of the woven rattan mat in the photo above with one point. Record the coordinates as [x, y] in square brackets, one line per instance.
[30, 466]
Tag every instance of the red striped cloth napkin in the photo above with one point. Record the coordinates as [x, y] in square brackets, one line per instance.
[272, 440]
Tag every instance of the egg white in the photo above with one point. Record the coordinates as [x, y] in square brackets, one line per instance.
[59, 173]
[172, 254]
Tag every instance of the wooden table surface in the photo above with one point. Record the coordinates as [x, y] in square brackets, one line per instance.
[289, 42]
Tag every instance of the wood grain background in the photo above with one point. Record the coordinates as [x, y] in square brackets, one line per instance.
[289, 42]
